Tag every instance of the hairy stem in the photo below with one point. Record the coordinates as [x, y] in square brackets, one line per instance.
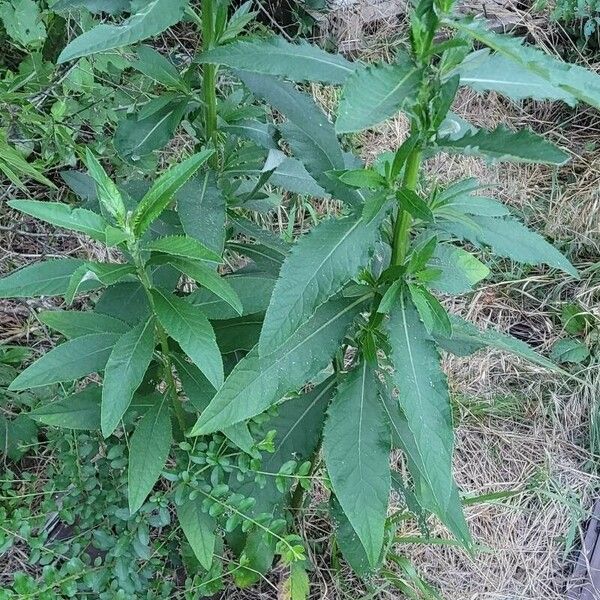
[403, 218]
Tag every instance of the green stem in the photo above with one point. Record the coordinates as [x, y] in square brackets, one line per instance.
[209, 78]
[403, 218]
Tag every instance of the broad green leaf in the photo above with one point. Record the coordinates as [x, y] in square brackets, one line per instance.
[257, 383]
[108, 194]
[413, 204]
[141, 134]
[74, 324]
[425, 491]
[201, 210]
[569, 351]
[309, 133]
[432, 313]
[153, 18]
[423, 396]
[459, 270]
[484, 71]
[62, 215]
[183, 247]
[291, 175]
[17, 436]
[199, 529]
[190, 328]
[254, 289]
[97, 273]
[320, 264]
[124, 373]
[459, 197]
[502, 144]
[356, 446]
[467, 339]
[266, 260]
[69, 361]
[362, 178]
[297, 585]
[210, 279]
[108, 6]
[275, 56]
[376, 93]
[163, 190]
[23, 22]
[48, 278]
[574, 80]
[124, 301]
[149, 448]
[238, 334]
[263, 236]
[262, 134]
[509, 238]
[155, 66]
[78, 411]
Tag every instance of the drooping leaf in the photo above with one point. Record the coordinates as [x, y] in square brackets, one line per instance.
[62, 215]
[276, 56]
[190, 328]
[149, 448]
[201, 209]
[14, 166]
[509, 238]
[375, 93]
[356, 447]
[262, 134]
[321, 262]
[74, 324]
[154, 65]
[47, 278]
[425, 491]
[423, 396]
[484, 71]
[152, 19]
[98, 274]
[575, 80]
[78, 411]
[210, 279]
[141, 134]
[183, 247]
[459, 270]
[256, 383]
[254, 289]
[199, 529]
[163, 190]
[310, 134]
[467, 338]
[502, 144]
[69, 361]
[291, 175]
[125, 370]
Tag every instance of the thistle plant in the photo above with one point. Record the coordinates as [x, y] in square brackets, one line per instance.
[234, 360]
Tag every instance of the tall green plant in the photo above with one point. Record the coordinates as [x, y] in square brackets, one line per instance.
[349, 312]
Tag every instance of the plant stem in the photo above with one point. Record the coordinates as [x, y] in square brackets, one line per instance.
[403, 218]
[209, 78]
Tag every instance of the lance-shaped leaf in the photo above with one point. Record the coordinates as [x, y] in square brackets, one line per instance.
[501, 144]
[97, 273]
[509, 238]
[210, 279]
[275, 56]
[154, 65]
[69, 361]
[149, 448]
[356, 446]
[161, 194]
[256, 131]
[467, 338]
[48, 278]
[108, 193]
[74, 324]
[190, 328]
[125, 370]
[62, 215]
[78, 411]
[199, 529]
[183, 247]
[254, 289]
[425, 489]
[201, 210]
[575, 80]
[257, 383]
[376, 93]
[423, 396]
[152, 19]
[319, 265]
[484, 71]
[291, 175]
[459, 270]
[310, 134]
